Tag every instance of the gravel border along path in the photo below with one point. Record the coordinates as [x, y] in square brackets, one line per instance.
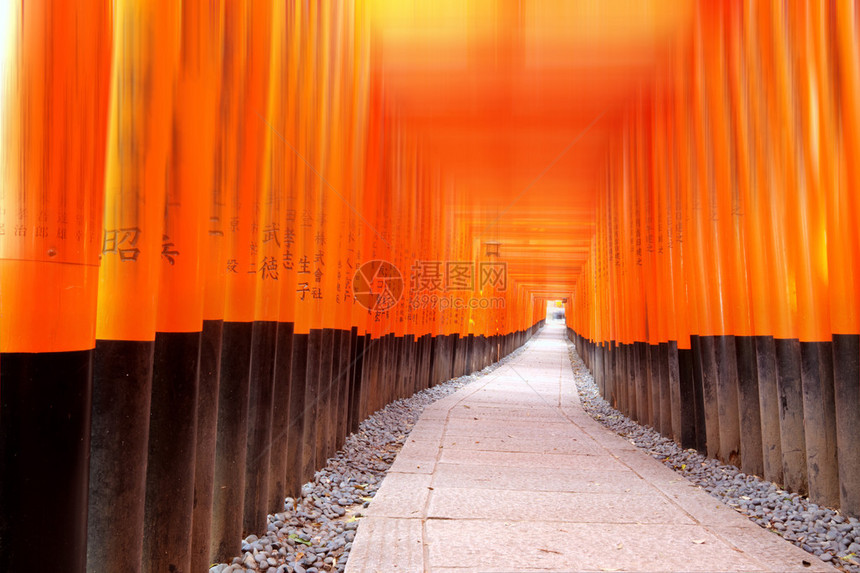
[315, 532]
[822, 531]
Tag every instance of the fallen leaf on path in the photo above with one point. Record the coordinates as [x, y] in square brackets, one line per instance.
[298, 539]
[549, 551]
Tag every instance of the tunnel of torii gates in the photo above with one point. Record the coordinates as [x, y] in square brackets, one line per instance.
[230, 231]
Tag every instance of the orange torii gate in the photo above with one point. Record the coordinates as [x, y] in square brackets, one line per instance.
[231, 231]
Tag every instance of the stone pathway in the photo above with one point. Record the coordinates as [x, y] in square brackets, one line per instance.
[510, 474]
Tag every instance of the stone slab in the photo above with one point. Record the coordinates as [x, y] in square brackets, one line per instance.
[387, 544]
[518, 505]
[539, 479]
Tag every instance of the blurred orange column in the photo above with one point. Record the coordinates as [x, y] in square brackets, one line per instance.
[139, 139]
[843, 243]
[55, 73]
[180, 294]
[242, 131]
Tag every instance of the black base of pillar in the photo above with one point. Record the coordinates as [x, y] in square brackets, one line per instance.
[228, 496]
[122, 387]
[44, 457]
[207, 433]
[768, 394]
[280, 417]
[295, 434]
[819, 419]
[748, 401]
[311, 406]
[263, 345]
[846, 381]
[791, 428]
[172, 440]
[725, 356]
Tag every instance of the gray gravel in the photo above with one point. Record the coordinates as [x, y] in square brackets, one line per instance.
[314, 533]
[822, 531]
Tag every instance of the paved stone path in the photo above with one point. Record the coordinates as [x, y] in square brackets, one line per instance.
[510, 474]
